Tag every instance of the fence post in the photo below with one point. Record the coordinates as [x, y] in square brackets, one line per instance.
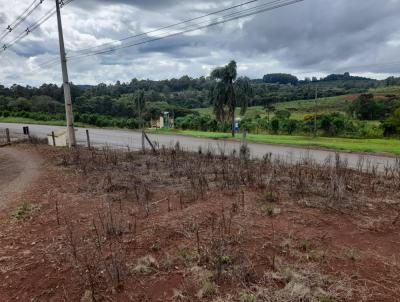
[54, 138]
[149, 141]
[143, 146]
[8, 135]
[88, 138]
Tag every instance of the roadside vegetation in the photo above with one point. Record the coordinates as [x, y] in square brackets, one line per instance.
[369, 145]
[177, 226]
[270, 109]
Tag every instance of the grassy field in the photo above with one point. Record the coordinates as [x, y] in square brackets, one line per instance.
[386, 90]
[298, 108]
[302, 107]
[389, 146]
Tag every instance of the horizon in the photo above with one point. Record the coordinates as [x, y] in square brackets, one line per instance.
[309, 38]
[168, 79]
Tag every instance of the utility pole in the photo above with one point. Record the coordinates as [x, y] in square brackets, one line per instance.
[315, 111]
[67, 88]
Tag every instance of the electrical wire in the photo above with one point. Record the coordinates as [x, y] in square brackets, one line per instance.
[234, 16]
[85, 52]
[21, 18]
[190, 28]
[164, 27]
[33, 26]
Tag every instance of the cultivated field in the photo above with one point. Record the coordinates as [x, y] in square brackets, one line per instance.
[105, 225]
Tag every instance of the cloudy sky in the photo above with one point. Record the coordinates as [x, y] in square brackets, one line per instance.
[309, 38]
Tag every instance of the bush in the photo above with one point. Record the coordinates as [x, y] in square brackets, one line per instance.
[195, 122]
[333, 123]
[282, 114]
[365, 107]
[391, 126]
[290, 126]
[275, 124]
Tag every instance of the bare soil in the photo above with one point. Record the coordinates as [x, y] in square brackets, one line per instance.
[18, 169]
[120, 226]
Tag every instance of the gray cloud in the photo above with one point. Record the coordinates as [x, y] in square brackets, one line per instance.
[313, 37]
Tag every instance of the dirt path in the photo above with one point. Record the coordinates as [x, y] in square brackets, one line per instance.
[18, 169]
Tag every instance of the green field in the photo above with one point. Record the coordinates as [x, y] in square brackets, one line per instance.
[388, 146]
[298, 109]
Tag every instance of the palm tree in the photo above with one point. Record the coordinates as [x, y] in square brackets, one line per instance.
[223, 95]
[139, 105]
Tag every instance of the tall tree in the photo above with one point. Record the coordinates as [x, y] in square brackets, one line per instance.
[269, 108]
[223, 95]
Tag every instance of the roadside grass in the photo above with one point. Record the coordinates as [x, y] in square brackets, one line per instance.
[389, 146]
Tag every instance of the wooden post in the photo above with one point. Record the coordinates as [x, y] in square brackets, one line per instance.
[143, 146]
[88, 138]
[8, 135]
[54, 138]
[150, 143]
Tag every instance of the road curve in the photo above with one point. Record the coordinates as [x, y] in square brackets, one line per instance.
[132, 139]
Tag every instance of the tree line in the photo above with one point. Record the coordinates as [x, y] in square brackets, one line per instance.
[133, 104]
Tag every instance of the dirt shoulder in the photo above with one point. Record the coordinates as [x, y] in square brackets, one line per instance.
[186, 227]
[18, 169]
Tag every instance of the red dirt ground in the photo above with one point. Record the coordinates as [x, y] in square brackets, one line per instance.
[266, 246]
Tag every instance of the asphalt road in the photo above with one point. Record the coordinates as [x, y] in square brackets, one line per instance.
[132, 139]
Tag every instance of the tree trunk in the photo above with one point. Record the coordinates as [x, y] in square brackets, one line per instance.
[233, 125]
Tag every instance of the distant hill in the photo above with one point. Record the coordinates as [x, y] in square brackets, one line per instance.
[345, 77]
[85, 87]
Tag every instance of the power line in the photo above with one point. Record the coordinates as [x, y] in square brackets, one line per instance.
[33, 26]
[190, 25]
[165, 27]
[187, 28]
[234, 16]
[21, 18]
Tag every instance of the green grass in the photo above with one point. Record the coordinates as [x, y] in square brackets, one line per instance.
[386, 90]
[251, 111]
[389, 146]
[336, 103]
[298, 109]
[301, 108]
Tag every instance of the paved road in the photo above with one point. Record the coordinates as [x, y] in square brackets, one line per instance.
[132, 139]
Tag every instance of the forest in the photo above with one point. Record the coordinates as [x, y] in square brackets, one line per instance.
[113, 105]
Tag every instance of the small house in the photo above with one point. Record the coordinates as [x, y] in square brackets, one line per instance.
[164, 121]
